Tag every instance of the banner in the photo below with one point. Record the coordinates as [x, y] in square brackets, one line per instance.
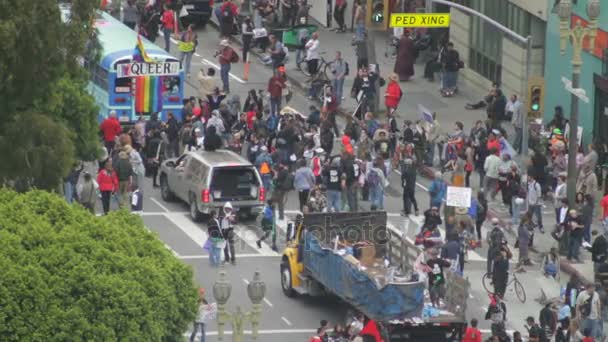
[148, 94]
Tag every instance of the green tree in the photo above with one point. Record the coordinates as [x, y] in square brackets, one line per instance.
[70, 276]
[40, 73]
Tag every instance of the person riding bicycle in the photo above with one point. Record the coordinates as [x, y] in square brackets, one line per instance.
[500, 272]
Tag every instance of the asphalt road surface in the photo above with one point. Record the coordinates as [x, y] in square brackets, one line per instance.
[285, 318]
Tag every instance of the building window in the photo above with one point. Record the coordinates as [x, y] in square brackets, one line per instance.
[485, 41]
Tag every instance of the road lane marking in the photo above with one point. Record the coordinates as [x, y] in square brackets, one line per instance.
[160, 205]
[184, 223]
[418, 184]
[268, 302]
[194, 257]
[250, 237]
[286, 320]
[262, 332]
[161, 213]
[206, 61]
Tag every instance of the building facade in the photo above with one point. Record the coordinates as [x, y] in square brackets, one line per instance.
[593, 116]
[488, 54]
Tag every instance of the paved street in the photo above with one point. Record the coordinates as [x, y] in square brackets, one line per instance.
[297, 318]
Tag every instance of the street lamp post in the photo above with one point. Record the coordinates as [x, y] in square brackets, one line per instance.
[576, 35]
[256, 290]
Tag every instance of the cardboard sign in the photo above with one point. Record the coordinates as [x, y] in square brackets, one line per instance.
[458, 197]
[209, 312]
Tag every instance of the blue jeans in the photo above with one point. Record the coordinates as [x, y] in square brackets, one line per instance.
[595, 325]
[518, 139]
[188, 56]
[167, 36]
[275, 105]
[225, 74]
[267, 183]
[359, 31]
[215, 254]
[195, 329]
[338, 85]
[334, 197]
[68, 191]
[516, 217]
[449, 79]
[574, 246]
[587, 232]
[376, 194]
[537, 210]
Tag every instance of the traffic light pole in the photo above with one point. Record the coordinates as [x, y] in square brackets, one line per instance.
[525, 135]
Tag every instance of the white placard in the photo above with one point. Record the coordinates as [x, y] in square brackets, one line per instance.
[459, 197]
[147, 69]
[209, 312]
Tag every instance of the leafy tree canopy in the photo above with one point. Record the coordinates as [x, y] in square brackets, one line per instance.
[71, 276]
[40, 72]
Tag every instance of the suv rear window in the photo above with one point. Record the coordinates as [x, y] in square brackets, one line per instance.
[234, 183]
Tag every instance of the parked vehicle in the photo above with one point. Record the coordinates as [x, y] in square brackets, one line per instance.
[207, 180]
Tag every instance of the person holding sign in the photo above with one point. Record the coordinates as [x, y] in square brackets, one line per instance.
[187, 45]
[202, 316]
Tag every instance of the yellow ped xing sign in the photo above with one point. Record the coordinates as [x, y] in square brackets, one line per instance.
[420, 20]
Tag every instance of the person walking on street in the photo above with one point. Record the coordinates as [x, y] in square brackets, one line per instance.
[168, 24]
[187, 46]
[339, 70]
[283, 183]
[490, 168]
[495, 238]
[339, 11]
[359, 20]
[534, 198]
[393, 95]
[173, 136]
[227, 56]
[408, 182]
[268, 225]
[450, 61]
[304, 181]
[497, 314]
[472, 334]
[199, 323]
[87, 193]
[588, 309]
[599, 251]
[108, 185]
[514, 111]
[574, 224]
[437, 190]
[406, 57]
[524, 236]
[226, 220]
[139, 170]
[124, 171]
[216, 239]
[276, 84]
[333, 179]
[376, 181]
[481, 214]
[110, 127]
[312, 54]
[548, 321]
[130, 15]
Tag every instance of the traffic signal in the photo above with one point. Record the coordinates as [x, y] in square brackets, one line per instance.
[536, 93]
[377, 15]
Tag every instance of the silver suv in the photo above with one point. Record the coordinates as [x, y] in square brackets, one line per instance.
[207, 180]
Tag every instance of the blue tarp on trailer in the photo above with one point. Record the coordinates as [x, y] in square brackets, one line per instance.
[393, 301]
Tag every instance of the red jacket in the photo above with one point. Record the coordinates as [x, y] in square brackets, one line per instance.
[393, 95]
[472, 335]
[168, 20]
[107, 181]
[229, 6]
[110, 128]
[494, 144]
[276, 85]
[371, 329]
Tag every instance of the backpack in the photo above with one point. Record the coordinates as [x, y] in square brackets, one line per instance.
[586, 307]
[288, 185]
[234, 58]
[496, 238]
[272, 122]
[373, 179]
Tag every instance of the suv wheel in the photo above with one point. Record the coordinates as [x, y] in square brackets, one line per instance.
[195, 214]
[286, 279]
[165, 192]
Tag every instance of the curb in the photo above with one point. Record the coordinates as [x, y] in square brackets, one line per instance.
[566, 266]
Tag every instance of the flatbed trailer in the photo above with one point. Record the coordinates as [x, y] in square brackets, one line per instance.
[323, 258]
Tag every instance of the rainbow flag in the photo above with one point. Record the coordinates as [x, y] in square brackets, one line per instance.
[139, 53]
[148, 94]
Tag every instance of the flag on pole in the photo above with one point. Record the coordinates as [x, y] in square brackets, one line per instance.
[148, 94]
[139, 53]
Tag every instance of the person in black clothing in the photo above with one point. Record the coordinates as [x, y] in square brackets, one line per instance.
[154, 154]
[153, 124]
[173, 136]
[574, 224]
[408, 182]
[482, 212]
[327, 137]
[283, 183]
[500, 271]
[408, 132]
[212, 141]
[351, 172]
[432, 218]
[537, 169]
[436, 276]
[255, 100]
[548, 321]
[599, 252]
[497, 313]
[450, 62]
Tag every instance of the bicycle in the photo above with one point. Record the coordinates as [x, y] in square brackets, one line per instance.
[520, 292]
[324, 67]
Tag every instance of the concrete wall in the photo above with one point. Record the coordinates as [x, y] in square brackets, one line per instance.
[538, 8]
[514, 67]
[318, 11]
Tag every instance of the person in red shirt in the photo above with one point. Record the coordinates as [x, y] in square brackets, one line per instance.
[604, 204]
[228, 11]
[110, 127]
[108, 184]
[371, 329]
[472, 334]
[493, 142]
[168, 22]
[276, 84]
[393, 94]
